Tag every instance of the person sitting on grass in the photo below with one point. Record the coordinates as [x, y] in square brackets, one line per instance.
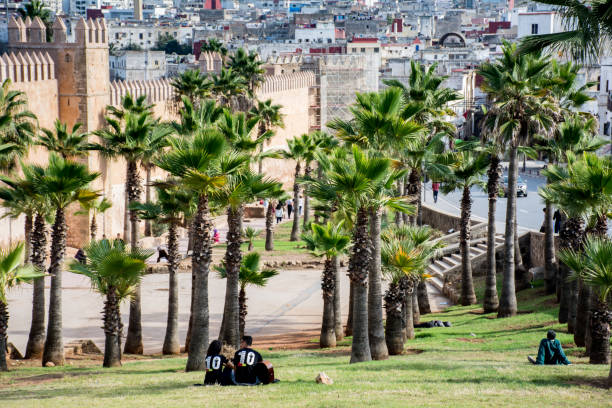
[218, 367]
[550, 352]
[245, 361]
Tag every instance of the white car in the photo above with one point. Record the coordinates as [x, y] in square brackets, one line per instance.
[521, 187]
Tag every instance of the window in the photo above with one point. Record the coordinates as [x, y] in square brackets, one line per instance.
[608, 85]
[606, 129]
[363, 50]
[156, 62]
[116, 36]
[598, 82]
[534, 29]
[376, 49]
[140, 36]
[354, 49]
[150, 34]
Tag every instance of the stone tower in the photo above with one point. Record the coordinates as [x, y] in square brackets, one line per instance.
[82, 72]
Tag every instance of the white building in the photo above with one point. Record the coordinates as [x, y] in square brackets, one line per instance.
[146, 35]
[370, 48]
[138, 65]
[323, 32]
[539, 22]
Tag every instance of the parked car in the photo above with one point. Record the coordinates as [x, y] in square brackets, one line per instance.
[521, 187]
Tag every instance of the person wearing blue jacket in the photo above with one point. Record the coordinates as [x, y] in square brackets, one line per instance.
[550, 352]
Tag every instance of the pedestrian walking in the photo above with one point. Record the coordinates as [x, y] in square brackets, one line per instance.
[279, 213]
[435, 187]
[289, 208]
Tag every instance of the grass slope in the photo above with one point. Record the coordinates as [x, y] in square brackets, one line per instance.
[480, 361]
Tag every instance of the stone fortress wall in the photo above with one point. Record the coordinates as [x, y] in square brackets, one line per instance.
[70, 81]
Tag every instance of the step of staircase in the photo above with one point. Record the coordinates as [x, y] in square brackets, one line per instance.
[436, 282]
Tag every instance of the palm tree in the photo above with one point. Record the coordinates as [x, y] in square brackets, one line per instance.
[465, 169]
[327, 241]
[95, 208]
[250, 234]
[227, 86]
[172, 205]
[197, 164]
[12, 274]
[129, 105]
[296, 149]
[275, 196]
[521, 105]
[62, 182]
[38, 8]
[191, 85]
[248, 67]
[131, 138]
[214, 45]
[250, 275]
[193, 118]
[594, 267]
[114, 273]
[16, 127]
[269, 117]
[588, 29]
[67, 143]
[405, 252]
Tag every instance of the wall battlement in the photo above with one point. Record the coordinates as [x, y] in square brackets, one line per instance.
[27, 66]
[28, 32]
[156, 90]
[284, 82]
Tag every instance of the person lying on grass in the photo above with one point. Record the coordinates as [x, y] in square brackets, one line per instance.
[550, 352]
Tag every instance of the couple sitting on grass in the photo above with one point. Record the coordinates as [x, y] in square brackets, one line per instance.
[550, 352]
[243, 369]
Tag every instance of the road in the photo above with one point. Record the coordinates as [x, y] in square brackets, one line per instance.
[529, 209]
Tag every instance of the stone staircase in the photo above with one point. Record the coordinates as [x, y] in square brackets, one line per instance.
[449, 262]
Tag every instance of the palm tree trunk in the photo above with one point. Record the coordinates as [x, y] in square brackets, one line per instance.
[491, 301]
[202, 256]
[36, 339]
[93, 227]
[172, 344]
[328, 282]
[295, 229]
[419, 209]
[242, 310]
[112, 330]
[4, 317]
[522, 275]
[393, 329]
[550, 265]
[338, 329]
[27, 234]
[416, 313]
[126, 218]
[408, 294]
[306, 208]
[570, 237]
[414, 180]
[233, 258]
[261, 150]
[600, 333]
[133, 342]
[406, 189]
[400, 193]
[573, 306]
[582, 313]
[376, 329]
[348, 331]
[54, 346]
[468, 297]
[359, 263]
[147, 226]
[423, 298]
[270, 227]
[507, 302]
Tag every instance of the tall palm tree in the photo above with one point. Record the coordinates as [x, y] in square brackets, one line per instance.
[269, 117]
[193, 118]
[250, 275]
[465, 169]
[95, 208]
[38, 8]
[115, 273]
[296, 149]
[327, 241]
[248, 67]
[202, 165]
[67, 143]
[274, 196]
[405, 251]
[588, 28]
[16, 126]
[227, 86]
[173, 204]
[594, 267]
[12, 274]
[521, 105]
[130, 138]
[191, 85]
[63, 182]
[214, 45]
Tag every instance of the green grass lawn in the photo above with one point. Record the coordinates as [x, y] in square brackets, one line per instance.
[282, 245]
[479, 362]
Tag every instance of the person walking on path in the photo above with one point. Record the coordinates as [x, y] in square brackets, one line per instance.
[289, 208]
[279, 213]
[435, 187]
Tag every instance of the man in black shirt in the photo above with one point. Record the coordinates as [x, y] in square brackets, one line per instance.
[245, 360]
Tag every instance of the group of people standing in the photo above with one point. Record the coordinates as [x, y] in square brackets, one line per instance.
[279, 210]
